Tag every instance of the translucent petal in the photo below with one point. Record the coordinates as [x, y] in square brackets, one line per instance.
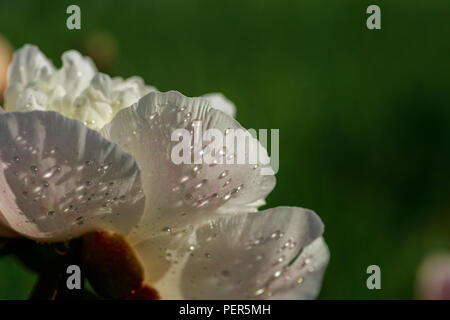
[59, 179]
[303, 279]
[220, 102]
[232, 257]
[178, 194]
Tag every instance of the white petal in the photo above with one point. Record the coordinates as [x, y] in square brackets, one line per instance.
[303, 279]
[59, 179]
[126, 92]
[220, 102]
[232, 257]
[93, 107]
[178, 194]
[29, 66]
[76, 73]
[31, 99]
[77, 90]
[99, 102]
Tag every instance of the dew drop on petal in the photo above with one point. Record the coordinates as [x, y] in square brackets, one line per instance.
[184, 179]
[275, 234]
[223, 174]
[48, 174]
[259, 292]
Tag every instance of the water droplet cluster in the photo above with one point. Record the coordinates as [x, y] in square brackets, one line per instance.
[54, 187]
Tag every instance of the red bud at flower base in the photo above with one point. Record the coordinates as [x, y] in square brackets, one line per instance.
[112, 267]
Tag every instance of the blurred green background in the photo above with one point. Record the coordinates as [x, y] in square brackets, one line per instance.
[364, 116]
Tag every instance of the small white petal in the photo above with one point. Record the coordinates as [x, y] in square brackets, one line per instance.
[76, 90]
[126, 92]
[29, 66]
[76, 73]
[220, 102]
[31, 99]
[178, 194]
[232, 257]
[59, 179]
[104, 97]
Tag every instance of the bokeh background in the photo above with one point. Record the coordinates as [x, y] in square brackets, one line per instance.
[364, 116]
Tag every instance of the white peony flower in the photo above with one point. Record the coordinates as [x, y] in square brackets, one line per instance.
[194, 231]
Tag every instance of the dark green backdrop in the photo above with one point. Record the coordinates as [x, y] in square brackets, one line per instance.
[363, 115]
